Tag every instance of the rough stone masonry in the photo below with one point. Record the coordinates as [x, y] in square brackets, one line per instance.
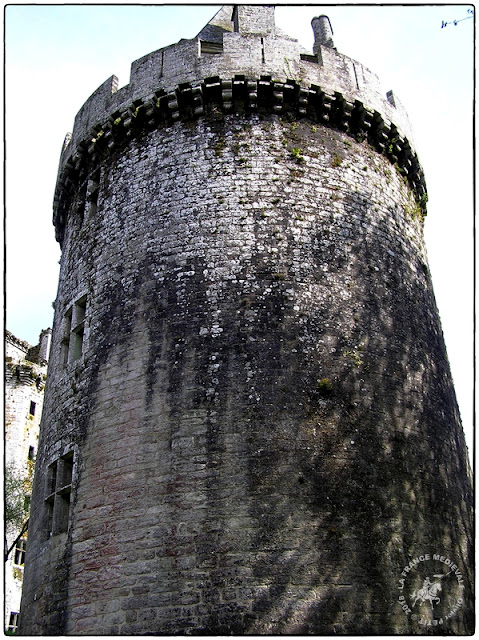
[249, 425]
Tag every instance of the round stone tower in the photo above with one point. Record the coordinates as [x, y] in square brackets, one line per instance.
[249, 425]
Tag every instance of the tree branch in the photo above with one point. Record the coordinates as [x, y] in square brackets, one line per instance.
[14, 543]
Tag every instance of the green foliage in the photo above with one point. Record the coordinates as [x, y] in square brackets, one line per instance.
[337, 161]
[17, 573]
[390, 148]
[14, 497]
[296, 154]
[238, 147]
[415, 212]
[325, 385]
[287, 67]
[354, 355]
[98, 136]
[219, 146]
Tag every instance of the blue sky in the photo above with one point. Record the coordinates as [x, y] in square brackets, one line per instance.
[57, 55]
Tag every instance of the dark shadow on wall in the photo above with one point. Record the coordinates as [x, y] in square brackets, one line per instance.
[351, 480]
[349, 459]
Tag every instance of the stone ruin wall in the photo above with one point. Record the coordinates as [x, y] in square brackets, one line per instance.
[25, 374]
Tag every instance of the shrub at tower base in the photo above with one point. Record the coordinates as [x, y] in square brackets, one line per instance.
[249, 425]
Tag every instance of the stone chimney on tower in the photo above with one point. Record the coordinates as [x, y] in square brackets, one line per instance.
[323, 33]
[45, 341]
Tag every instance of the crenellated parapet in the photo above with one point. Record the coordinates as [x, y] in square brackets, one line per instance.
[238, 65]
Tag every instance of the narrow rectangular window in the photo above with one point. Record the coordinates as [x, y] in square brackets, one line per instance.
[161, 64]
[92, 193]
[50, 497]
[33, 406]
[31, 453]
[63, 511]
[52, 478]
[65, 344]
[235, 19]
[20, 550]
[77, 341]
[306, 57]
[73, 332]
[49, 504]
[65, 472]
[57, 500]
[63, 492]
[78, 328]
[210, 47]
[13, 622]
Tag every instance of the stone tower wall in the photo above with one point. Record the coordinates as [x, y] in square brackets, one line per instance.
[250, 425]
[247, 71]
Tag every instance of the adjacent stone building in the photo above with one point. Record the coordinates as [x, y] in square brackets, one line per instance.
[250, 425]
[25, 375]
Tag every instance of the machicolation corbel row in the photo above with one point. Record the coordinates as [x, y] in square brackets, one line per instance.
[350, 101]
